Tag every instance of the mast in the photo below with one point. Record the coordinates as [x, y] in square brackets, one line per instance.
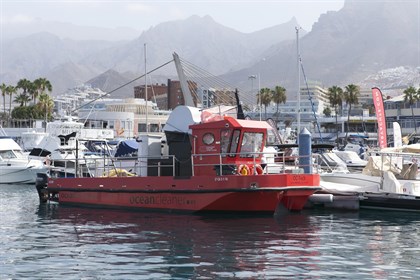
[145, 86]
[298, 75]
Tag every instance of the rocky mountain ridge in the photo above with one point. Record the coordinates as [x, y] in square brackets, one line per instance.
[351, 45]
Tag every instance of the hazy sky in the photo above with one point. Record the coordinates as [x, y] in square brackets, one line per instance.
[244, 16]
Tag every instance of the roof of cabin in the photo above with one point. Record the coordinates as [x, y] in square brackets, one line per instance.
[232, 122]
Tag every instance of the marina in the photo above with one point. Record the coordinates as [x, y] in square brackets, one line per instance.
[288, 151]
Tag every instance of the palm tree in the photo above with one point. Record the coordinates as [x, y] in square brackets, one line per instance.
[42, 85]
[25, 85]
[327, 111]
[351, 96]
[33, 91]
[46, 104]
[23, 99]
[3, 94]
[10, 90]
[279, 96]
[335, 96]
[264, 98]
[411, 96]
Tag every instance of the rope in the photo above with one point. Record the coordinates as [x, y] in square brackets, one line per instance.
[310, 99]
[224, 92]
[129, 82]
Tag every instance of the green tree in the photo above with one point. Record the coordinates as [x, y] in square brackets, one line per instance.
[3, 88]
[411, 96]
[27, 112]
[279, 96]
[327, 111]
[22, 98]
[33, 92]
[351, 96]
[264, 98]
[335, 97]
[46, 105]
[10, 90]
[25, 85]
[42, 85]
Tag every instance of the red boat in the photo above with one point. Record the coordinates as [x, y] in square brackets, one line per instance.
[212, 164]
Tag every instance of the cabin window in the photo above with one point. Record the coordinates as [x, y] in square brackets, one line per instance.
[7, 154]
[208, 138]
[235, 142]
[224, 141]
[251, 144]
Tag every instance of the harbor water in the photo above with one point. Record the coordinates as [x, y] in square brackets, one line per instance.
[50, 241]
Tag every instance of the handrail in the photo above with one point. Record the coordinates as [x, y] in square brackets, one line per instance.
[284, 167]
[143, 165]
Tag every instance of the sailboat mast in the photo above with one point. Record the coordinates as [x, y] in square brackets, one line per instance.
[298, 75]
[145, 86]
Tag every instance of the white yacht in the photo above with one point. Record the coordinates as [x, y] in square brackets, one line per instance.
[15, 166]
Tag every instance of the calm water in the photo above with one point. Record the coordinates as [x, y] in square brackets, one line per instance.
[53, 242]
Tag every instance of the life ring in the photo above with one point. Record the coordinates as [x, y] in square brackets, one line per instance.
[243, 169]
[258, 169]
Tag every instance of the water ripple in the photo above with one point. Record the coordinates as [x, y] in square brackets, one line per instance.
[52, 241]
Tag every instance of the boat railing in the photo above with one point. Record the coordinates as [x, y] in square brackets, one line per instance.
[404, 165]
[281, 165]
[324, 166]
[169, 165]
[116, 166]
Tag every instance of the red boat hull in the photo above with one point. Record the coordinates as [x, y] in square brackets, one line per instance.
[200, 193]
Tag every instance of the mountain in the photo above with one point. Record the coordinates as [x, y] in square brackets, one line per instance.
[111, 81]
[68, 75]
[346, 46]
[199, 40]
[47, 55]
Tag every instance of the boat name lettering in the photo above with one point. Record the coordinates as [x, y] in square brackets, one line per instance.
[221, 179]
[160, 200]
[207, 149]
[67, 195]
[299, 178]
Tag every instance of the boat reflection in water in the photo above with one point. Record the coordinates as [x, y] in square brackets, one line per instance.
[186, 246]
[53, 241]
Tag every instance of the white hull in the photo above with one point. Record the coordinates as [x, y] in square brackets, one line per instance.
[15, 166]
[20, 174]
[350, 182]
